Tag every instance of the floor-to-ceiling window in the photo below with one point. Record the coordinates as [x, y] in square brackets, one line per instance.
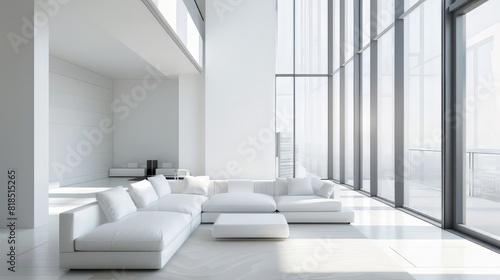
[349, 124]
[335, 90]
[481, 150]
[348, 51]
[394, 92]
[365, 119]
[302, 88]
[386, 115]
[423, 108]
[365, 25]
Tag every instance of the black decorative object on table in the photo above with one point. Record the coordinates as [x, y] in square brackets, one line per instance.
[151, 167]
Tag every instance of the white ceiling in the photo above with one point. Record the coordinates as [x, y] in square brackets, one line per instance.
[115, 38]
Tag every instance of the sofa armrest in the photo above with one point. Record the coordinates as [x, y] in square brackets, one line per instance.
[77, 222]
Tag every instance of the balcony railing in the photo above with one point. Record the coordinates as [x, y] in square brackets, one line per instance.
[482, 171]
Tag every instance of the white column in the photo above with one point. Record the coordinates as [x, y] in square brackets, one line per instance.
[192, 123]
[24, 111]
[240, 59]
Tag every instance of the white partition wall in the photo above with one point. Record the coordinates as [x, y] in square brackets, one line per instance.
[240, 88]
[24, 116]
[146, 121]
[192, 123]
[81, 118]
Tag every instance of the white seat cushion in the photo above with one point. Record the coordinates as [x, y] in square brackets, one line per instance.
[140, 231]
[309, 203]
[240, 202]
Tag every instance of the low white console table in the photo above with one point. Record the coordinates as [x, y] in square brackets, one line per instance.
[170, 172]
[127, 172]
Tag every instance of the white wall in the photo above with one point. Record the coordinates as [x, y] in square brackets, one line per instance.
[240, 85]
[146, 119]
[24, 110]
[80, 102]
[192, 123]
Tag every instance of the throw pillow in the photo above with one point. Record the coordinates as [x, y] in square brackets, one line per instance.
[299, 186]
[115, 203]
[161, 185]
[196, 185]
[142, 193]
[326, 190]
[240, 186]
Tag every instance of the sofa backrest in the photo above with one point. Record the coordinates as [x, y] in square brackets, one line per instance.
[260, 186]
[221, 186]
[178, 185]
[269, 187]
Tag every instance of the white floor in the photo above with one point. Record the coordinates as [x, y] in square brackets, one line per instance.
[383, 243]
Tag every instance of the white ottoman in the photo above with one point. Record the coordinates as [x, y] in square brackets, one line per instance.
[250, 226]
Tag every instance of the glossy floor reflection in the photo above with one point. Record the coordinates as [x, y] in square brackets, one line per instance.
[383, 243]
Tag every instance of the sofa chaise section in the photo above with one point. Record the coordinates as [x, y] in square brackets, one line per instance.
[138, 241]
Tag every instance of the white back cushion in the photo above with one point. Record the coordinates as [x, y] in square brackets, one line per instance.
[240, 186]
[115, 203]
[280, 187]
[299, 186]
[160, 184]
[142, 193]
[196, 185]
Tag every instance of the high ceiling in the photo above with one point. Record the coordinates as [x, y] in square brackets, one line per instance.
[115, 38]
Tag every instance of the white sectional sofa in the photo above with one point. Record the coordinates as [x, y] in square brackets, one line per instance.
[144, 227]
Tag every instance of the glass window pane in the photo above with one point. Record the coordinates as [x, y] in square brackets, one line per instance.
[386, 115]
[336, 126]
[349, 29]
[482, 112]
[365, 118]
[284, 49]
[410, 3]
[385, 14]
[336, 34]
[349, 124]
[365, 18]
[311, 127]
[423, 119]
[284, 126]
[311, 36]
